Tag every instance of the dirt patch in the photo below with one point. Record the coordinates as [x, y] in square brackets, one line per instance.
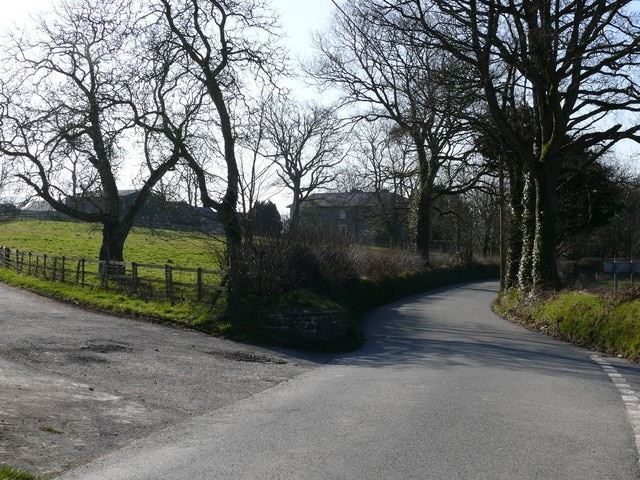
[248, 357]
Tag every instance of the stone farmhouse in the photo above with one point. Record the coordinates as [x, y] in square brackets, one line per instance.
[378, 218]
[156, 213]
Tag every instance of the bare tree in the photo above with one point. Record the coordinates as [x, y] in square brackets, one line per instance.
[372, 54]
[378, 160]
[305, 142]
[256, 171]
[211, 45]
[575, 64]
[67, 118]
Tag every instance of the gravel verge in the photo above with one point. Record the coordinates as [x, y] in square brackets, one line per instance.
[75, 384]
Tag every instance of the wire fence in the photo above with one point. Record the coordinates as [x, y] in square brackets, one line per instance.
[147, 281]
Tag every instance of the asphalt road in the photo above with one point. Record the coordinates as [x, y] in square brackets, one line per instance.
[443, 389]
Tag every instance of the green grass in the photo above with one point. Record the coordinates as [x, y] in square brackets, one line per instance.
[191, 315]
[10, 473]
[81, 240]
[605, 323]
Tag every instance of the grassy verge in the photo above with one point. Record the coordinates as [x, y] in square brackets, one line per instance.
[602, 322]
[191, 315]
[9, 473]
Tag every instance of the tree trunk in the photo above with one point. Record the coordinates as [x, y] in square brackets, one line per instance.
[544, 267]
[114, 234]
[294, 221]
[525, 278]
[423, 223]
[514, 226]
[233, 236]
[113, 238]
[514, 245]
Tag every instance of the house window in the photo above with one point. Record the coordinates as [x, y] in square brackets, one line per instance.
[343, 230]
[342, 214]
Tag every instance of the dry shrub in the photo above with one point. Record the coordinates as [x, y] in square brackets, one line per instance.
[378, 263]
[275, 266]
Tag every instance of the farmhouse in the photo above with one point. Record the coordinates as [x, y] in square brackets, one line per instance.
[156, 213]
[365, 217]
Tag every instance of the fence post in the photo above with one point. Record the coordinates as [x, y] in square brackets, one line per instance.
[134, 277]
[62, 269]
[168, 277]
[7, 257]
[104, 278]
[199, 284]
[80, 272]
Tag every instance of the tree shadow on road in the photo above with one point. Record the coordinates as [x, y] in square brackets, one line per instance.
[456, 327]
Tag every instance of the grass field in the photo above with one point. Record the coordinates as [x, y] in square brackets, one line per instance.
[81, 240]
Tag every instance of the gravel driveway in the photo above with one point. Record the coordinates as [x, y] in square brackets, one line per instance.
[75, 384]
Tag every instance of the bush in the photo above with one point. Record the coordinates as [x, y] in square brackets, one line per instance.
[379, 263]
[276, 266]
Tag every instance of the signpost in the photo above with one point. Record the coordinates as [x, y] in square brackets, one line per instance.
[616, 267]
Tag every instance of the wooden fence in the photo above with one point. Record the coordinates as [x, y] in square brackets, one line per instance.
[147, 281]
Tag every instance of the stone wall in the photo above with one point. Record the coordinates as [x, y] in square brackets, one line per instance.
[306, 325]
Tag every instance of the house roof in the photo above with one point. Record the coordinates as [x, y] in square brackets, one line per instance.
[353, 199]
[37, 205]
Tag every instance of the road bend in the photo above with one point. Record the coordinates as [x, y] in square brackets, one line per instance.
[442, 389]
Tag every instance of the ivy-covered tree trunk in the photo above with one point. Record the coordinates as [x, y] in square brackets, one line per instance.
[544, 267]
[527, 229]
[425, 200]
[294, 220]
[233, 236]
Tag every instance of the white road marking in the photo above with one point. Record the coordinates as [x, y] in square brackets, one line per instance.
[627, 394]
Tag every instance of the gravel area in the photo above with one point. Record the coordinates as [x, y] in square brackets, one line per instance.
[75, 384]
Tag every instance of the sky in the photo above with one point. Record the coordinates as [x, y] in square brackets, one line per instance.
[298, 17]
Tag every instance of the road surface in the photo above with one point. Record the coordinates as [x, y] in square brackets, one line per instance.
[442, 389]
